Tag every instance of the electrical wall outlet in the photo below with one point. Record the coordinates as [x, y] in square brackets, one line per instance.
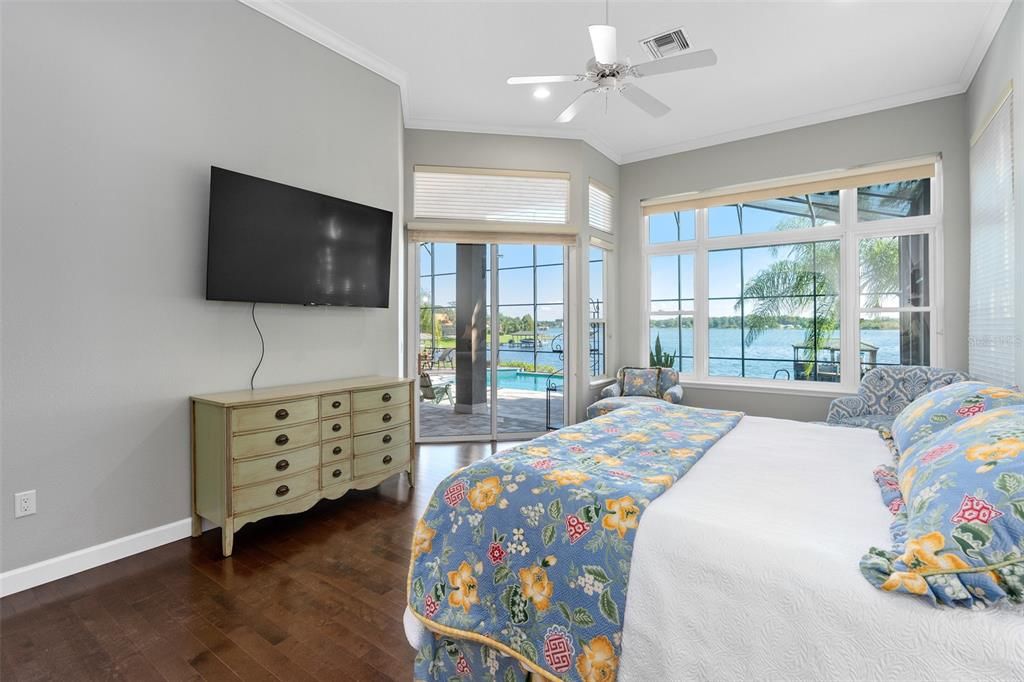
[24, 503]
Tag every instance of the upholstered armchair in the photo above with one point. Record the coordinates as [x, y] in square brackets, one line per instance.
[616, 395]
[884, 391]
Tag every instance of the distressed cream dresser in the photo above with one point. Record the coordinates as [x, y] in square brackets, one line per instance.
[279, 450]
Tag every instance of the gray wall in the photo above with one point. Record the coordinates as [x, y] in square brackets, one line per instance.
[112, 115]
[1004, 62]
[904, 132]
[479, 150]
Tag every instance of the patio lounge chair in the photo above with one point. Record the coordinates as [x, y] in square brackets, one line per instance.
[446, 356]
[435, 393]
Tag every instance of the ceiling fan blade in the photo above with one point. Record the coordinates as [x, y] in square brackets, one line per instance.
[533, 80]
[602, 37]
[569, 113]
[641, 98]
[681, 62]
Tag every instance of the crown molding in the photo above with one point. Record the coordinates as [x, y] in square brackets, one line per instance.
[287, 15]
[983, 41]
[783, 125]
[560, 133]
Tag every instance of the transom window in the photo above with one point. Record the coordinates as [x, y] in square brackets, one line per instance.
[763, 285]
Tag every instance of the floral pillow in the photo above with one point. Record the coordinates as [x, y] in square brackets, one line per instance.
[640, 382]
[958, 527]
[934, 411]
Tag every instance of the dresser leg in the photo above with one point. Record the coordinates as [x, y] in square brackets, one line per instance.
[410, 477]
[197, 525]
[227, 537]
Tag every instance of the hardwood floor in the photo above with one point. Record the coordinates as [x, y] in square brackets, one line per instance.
[315, 596]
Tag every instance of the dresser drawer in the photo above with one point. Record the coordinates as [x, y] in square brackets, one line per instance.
[273, 415]
[335, 449]
[266, 442]
[381, 440]
[375, 420]
[339, 472]
[275, 492]
[381, 397]
[255, 470]
[331, 405]
[367, 465]
[335, 427]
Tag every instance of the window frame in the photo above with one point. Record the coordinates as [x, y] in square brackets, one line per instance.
[607, 250]
[849, 232]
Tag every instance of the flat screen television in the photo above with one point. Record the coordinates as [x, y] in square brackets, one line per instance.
[271, 243]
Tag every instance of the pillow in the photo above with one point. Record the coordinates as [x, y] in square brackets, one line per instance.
[958, 537]
[937, 409]
[640, 382]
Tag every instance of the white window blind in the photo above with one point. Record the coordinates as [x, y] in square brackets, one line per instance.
[600, 203]
[491, 195]
[991, 319]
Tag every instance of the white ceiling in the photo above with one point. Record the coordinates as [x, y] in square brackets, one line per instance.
[780, 64]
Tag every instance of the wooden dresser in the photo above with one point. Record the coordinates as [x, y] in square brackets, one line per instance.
[279, 450]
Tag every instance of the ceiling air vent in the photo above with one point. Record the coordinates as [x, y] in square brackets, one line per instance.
[666, 44]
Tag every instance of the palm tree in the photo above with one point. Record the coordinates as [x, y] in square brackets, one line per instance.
[809, 274]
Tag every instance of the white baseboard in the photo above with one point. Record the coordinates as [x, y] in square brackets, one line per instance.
[26, 577]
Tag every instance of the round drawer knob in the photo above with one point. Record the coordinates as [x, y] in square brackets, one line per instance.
[387, 438]
[386, 397]
[336, 473]
[282, 465]
[336, 427]
[337, 450]
[387, 417]
[336, 404]
[281, 414]
[282, 439]
[387, 459]
[281, 491]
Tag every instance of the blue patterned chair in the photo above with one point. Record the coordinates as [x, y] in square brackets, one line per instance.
[884, 391]
[612, 397]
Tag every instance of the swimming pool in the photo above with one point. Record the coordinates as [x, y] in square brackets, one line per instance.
[510, 377]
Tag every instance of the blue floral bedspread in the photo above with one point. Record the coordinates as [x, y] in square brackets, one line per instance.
[527, 552]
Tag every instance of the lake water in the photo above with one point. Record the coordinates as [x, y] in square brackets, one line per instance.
[769, 355]
[772, 352]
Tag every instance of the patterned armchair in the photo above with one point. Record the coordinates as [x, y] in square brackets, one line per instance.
[884, 391]
[612, 397]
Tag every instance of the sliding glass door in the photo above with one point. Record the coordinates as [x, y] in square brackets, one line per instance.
[484, 375]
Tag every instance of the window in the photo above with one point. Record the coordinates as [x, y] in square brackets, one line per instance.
[770, 215]
[491, 195]
[600, 209]
[675, 226]
[895, 312]
[771, 283]
[773, 311]
[894, 200]
[597, 309]
[671, 312]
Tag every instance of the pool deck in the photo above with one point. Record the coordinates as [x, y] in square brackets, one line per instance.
[519, 411]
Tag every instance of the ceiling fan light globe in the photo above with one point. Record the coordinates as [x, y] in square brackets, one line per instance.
[602, 36]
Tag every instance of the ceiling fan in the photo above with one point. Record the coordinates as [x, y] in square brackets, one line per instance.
[608, 74]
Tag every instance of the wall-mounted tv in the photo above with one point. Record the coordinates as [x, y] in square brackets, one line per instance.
[271, 243]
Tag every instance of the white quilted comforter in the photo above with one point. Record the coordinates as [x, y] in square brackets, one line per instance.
[747, 568]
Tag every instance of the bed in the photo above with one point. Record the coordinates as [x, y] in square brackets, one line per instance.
[750, 563]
